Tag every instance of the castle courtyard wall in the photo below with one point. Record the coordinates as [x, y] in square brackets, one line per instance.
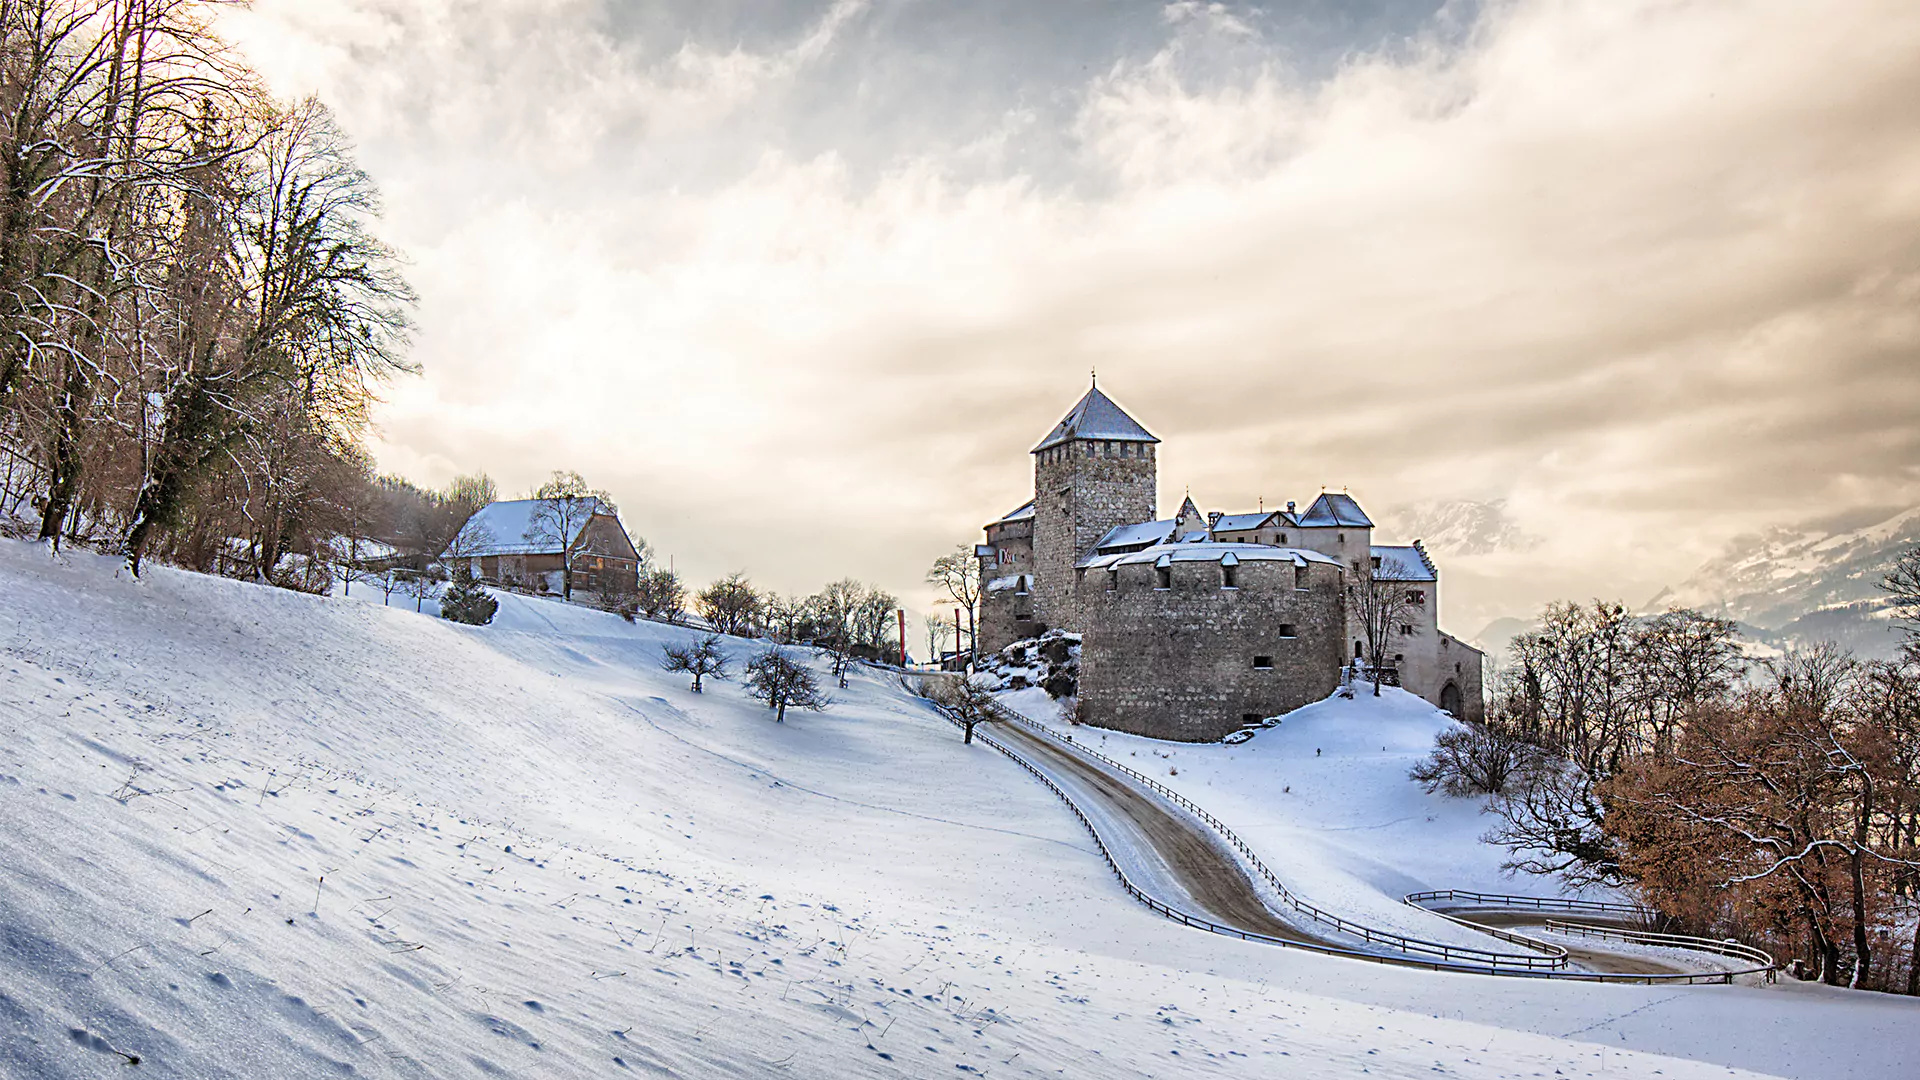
[1179, 662]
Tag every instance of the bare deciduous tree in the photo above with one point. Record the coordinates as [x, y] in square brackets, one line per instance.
[704, 659]
[783, 683]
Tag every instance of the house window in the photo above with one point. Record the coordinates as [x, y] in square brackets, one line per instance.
[1356, 565]
[1287, 630]
[1263, 663]
[1406, 629]
[1416, 596]
[1283, 539]
[1376, 562]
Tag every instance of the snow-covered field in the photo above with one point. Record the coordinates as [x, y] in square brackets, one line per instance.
[247, 833]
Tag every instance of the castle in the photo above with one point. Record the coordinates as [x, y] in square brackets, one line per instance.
[1195, 626]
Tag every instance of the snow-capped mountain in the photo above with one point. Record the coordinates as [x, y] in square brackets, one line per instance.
[1462, 527]
[1799, 584]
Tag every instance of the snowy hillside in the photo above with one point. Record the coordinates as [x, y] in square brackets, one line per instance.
[248, 833]
[1805, 583]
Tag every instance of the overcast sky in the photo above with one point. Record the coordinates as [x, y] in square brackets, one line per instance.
[801, 283]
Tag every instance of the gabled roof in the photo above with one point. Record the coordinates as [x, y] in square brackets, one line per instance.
[1335, 508]
[1133, 536]
[1412, 557]
[1242, 522]
[1022, 514]
[501, 528]
[1096, 417]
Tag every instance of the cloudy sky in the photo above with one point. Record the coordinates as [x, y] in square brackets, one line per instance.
[801, 282]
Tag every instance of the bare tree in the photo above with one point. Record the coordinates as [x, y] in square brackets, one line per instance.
[565, 506]
[783, 683]
[1385, 611]
[834, 613]
[422, 585]
[660, 594]
[1902, 585]
[730, 605]
[957, 575]
[965, 701]
[704, 659]
[1476, 759]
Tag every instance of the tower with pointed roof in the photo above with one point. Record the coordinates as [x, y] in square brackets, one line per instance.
[1093, 472]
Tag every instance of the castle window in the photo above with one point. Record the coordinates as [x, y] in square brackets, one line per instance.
[1229, 576]
[1163, 577]
[1398, 657]
[1287, 630]
[1283, 539]
[1020, 584]
[1456, 667]
[1356, 650]
[1113, 578]
[1263, 663]
[1340, 538]
[1248, 719]
[1416, 596]
[1376, 562]
[1406, 629]
[1300, 576]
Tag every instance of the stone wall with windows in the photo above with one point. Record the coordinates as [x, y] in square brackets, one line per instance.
[1194, 651]
[1082, 489]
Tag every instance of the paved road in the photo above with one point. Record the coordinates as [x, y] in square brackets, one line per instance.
[1215, 880]
[1212, 877]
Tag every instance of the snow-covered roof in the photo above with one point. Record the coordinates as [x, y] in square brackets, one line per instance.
[1240, 522]
[1241, 553]
[1147, 532]
[501, 528]
[1412, 557]
[1096, 417]
[1200, 537]
[1335, 508]
[1023, 514]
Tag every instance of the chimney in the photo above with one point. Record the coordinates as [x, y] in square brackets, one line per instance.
[1289, 506]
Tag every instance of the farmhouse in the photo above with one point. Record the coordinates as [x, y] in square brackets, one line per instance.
[1197, 625]
[519, 543]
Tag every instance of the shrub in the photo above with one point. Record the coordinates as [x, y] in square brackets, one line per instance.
[1475, 759]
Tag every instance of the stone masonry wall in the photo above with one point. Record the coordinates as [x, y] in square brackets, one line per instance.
[1081, 490]
[1178, 663]
[1007, 615]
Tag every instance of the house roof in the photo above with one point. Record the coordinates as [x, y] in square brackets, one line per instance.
[1413, 557]
[1023, 513]
[1096, 417]
[501, 528]
[1335, 508]
[1241, 522]
[1147, 532]
[1240, 553]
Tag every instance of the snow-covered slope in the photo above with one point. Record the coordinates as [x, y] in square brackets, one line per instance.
[246, 833]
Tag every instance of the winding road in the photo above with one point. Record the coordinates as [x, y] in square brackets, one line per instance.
[1193, 860]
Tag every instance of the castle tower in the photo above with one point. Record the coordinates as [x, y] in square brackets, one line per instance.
[1093, 472]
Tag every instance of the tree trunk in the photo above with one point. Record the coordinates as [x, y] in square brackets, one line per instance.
[63, 463]
[1913, 966]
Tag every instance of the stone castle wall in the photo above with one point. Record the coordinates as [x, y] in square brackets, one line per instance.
[1007, 611]
[1081, 490]
[1179, 662]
